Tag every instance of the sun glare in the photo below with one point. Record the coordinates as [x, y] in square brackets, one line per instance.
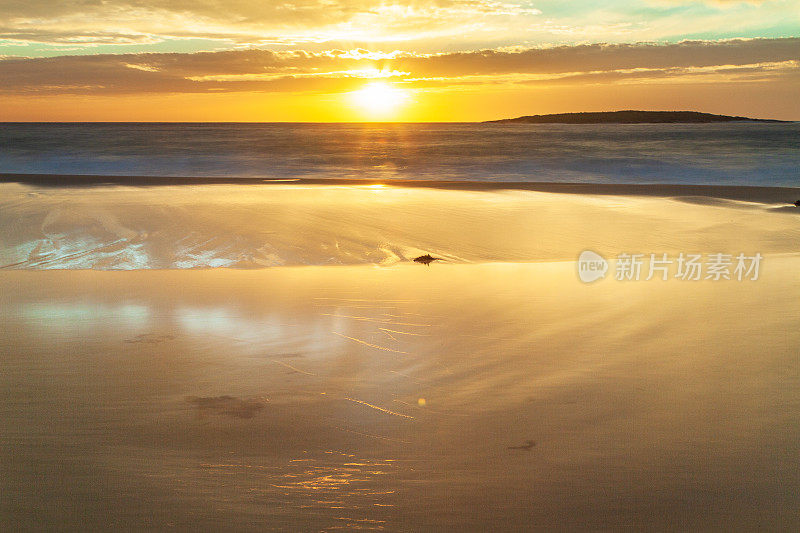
[378, 99]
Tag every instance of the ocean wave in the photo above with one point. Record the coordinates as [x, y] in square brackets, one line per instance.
[733, 154]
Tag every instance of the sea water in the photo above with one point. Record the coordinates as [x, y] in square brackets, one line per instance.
[766, 154]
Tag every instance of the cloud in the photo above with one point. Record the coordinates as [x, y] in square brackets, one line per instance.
[603, 57]
[339, 70]
[93, 22]
[431, 25]
[715, 74]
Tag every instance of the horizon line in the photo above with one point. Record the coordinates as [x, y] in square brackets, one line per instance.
[494, 120]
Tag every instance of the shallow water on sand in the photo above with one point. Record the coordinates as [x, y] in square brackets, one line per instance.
[260, 226]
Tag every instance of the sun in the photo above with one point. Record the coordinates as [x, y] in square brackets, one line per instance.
[378, 99]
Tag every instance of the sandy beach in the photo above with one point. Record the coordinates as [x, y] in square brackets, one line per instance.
[326, 382]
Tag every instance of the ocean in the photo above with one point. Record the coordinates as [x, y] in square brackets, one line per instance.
[766, 154]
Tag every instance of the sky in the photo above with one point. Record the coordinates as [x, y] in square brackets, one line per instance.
[403, 60]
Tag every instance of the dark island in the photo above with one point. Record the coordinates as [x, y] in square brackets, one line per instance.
[630, 117]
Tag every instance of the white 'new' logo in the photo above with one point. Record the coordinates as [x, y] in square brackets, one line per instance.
[591, 266]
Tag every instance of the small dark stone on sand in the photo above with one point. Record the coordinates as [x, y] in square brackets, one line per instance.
[427, 259]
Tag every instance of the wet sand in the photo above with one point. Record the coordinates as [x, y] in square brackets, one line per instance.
[467, 395]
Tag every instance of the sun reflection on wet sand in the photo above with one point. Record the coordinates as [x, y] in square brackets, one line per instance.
[342, 490]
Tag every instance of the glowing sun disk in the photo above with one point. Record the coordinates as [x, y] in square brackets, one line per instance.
[378, 98]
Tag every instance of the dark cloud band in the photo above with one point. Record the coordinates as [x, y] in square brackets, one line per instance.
[335, 70]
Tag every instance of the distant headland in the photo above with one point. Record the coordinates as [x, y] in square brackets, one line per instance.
[630, 117]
